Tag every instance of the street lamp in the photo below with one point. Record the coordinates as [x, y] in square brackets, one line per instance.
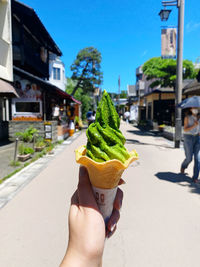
[179, 66]
[164, 14]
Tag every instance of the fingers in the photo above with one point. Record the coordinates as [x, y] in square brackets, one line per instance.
[74, 199]
[113, 220]
[118, 199]
[85, 192]
[112, 223]
[121, 181]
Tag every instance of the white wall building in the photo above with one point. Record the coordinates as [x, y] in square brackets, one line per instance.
[57, 72]
[6, 62]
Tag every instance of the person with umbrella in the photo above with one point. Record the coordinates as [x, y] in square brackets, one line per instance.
[191, 135]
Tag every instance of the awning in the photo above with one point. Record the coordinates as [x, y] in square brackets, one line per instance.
[192, 88]
[7, 90]
[50, 88]
[65, 95]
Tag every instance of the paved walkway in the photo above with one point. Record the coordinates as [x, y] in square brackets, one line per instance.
[6, 156]
[159, 225]
[17, 182]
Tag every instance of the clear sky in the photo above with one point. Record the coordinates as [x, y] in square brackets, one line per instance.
[127, 33]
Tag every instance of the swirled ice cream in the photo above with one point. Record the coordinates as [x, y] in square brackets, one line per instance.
[105, 140]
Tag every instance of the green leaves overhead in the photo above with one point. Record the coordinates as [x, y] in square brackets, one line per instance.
[163, 71]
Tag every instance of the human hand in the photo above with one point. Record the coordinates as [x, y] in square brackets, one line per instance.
[87, 229]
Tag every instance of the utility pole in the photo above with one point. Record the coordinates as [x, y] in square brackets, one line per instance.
[179, 73]
[164, 14]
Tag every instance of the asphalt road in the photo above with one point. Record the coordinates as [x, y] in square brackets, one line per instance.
[160, 218]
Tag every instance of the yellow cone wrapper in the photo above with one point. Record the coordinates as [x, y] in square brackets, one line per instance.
[104, 177]
[106, 174]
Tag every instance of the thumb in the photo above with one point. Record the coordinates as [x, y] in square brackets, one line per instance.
[85, 192]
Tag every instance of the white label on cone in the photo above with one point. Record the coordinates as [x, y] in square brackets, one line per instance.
[105, 199]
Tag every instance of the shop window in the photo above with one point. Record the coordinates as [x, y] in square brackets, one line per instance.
[33, 107]
[56, 73]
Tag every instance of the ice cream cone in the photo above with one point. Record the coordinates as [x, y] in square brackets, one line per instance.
[106, 174]
[104, 177]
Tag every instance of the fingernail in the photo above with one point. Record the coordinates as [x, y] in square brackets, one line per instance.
[113, 227]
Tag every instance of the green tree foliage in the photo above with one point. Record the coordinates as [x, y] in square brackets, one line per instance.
[87, 70]
[123, 94]
[79, 95]
[163, 71]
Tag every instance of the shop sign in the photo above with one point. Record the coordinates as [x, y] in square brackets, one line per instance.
[48, 131]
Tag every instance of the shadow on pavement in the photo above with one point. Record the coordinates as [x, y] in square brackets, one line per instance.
[4, 143]
[179, 179]
[136, 142]
[145, 133]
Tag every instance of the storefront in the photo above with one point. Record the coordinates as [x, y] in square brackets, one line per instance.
[38, 100]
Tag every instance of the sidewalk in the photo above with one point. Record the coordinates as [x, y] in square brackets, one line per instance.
[18, 181]
[6, 156]
[159, 224]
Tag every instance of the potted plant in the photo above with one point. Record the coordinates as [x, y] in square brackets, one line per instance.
[40, 144]
[27, 135]
[24, 152]
[49, 148]
[161, 128]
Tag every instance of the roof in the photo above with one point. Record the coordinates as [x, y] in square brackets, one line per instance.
[160, 90]
[45, 84]
[192, 88]
[35, 26]
[7, 90]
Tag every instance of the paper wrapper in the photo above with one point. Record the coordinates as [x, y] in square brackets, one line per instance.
[104, 177]
[105, 199]
[106, 174]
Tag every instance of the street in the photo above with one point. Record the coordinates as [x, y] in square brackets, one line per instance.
[160, 218]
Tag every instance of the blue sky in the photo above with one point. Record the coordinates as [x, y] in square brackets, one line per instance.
[127, 33]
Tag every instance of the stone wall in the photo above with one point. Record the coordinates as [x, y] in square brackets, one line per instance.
[20, 126]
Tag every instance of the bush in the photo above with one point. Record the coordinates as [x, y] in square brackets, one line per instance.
[24, 150]
[14, 163]
[40, 142]
[27, 135]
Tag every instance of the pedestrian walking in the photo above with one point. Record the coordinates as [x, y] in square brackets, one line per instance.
[127, 116]
[91, 116]
[191, 142]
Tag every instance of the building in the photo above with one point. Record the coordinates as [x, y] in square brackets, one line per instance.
[32, 48]
[57, 72]
[154, 104]
[7, 91]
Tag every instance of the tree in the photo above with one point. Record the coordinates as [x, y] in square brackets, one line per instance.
[123, 94]
[79, 95]
[86, 70]
[163, 71]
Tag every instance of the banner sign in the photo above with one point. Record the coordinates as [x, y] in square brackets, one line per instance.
[168, 43]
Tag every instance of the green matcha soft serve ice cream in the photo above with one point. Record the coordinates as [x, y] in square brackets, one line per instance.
[105, 140]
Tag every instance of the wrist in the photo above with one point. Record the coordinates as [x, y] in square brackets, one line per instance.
[75, 258]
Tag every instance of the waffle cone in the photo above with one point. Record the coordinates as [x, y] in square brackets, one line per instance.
[106, 174]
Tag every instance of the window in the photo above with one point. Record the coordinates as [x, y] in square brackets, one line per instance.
[33, 107]
[56, 73]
